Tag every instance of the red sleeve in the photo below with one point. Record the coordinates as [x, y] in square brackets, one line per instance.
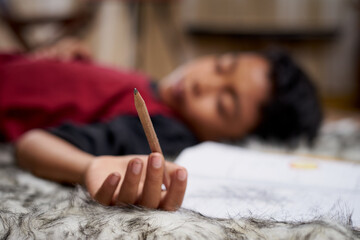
[40, 94]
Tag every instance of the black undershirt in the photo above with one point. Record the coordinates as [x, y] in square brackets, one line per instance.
[124, 135]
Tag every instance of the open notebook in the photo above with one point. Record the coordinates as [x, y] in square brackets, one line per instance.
[229, 181]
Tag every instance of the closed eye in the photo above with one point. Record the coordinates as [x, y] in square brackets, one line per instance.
[227, 104]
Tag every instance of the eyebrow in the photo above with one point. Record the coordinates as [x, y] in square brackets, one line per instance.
[230, 69]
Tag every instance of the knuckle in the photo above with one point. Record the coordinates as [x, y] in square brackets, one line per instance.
[170, 207]
[154, 177]
[131, 181]
[149, 204]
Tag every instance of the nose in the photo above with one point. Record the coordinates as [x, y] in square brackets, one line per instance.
[201, 87]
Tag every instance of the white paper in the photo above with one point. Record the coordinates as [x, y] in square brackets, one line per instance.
[229, 181]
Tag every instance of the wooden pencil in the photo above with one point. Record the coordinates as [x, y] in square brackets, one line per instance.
[148, 127]
[146, 122]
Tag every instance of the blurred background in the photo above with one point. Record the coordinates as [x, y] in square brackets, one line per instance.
[157, 36]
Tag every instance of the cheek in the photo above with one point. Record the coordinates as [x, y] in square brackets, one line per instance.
[250, 116]
[200, 109]
[202, 116]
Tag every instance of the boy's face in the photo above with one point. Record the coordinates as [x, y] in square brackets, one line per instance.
[219, 97]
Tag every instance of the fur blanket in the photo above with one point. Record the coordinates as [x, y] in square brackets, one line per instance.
[32, 208]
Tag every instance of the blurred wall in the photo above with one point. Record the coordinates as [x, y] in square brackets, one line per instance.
[322, 35]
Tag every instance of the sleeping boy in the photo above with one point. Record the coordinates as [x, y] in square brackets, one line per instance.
[75, 122]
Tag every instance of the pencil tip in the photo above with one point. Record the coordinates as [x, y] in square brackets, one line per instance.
[135, 91]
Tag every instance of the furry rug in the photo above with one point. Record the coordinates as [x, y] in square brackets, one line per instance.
[32, 208]
[338, 139]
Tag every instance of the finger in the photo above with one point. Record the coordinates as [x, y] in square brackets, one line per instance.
[36, 55]
[66, 56]
[106, 191]
[48, 53]
[154, 176]
[175, 194]
[83, 54]
[166, 178]
[67, 51]
[40, 55]
[56, 54]
[129, 188]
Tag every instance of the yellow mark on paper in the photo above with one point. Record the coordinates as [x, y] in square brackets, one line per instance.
[303, 165]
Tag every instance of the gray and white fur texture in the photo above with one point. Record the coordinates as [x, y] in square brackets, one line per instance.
[32, 208]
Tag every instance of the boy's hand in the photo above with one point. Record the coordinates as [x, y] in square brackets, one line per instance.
[136, 180]
[68, 49]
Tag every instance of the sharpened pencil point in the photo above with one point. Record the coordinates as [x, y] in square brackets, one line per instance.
[135, 91]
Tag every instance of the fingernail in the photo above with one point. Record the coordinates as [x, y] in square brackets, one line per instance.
[136, 167]
[114, 179]
[156, 161]
[181, 174]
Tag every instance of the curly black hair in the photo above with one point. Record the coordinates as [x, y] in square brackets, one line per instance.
[294, 110]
